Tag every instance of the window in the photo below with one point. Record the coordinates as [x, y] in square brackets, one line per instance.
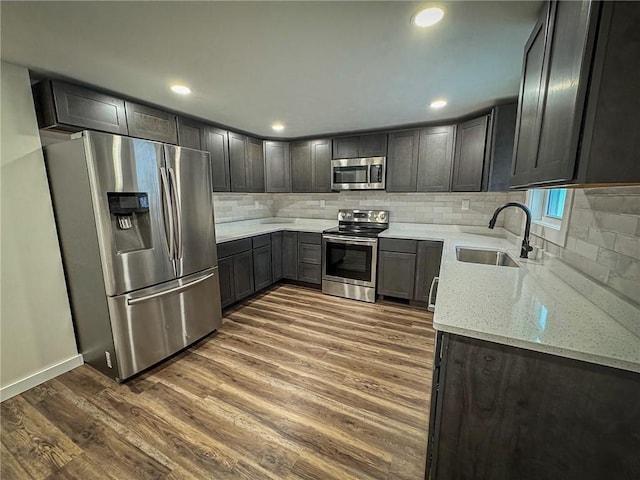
[550, 210]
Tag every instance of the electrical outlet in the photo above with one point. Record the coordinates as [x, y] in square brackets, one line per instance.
[322, 203]
[465, 204]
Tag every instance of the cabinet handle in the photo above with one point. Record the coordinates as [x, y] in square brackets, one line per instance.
[432, 304]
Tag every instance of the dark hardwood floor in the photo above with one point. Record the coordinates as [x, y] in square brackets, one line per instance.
[295, 385]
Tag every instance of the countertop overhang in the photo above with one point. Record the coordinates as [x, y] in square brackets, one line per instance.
[529, 307]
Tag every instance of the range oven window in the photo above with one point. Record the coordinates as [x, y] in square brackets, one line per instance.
[352, 174]
[349, 261]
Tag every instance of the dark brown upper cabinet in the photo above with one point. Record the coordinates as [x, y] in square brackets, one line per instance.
[191, 133]
[578, 109]
[469, 160]
[370, 145]
[151, 124]
[502, 132]
[195, 134]
[402, 161]
[246, 163]
[70, 107]
[216, 142]
[277, 167]
[435, 159]
[311, 166]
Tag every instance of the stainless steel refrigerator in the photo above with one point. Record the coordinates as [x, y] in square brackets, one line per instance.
[136, 229]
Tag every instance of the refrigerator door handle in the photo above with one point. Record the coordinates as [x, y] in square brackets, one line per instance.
[178, 289]
[168, 208]
[178, 212]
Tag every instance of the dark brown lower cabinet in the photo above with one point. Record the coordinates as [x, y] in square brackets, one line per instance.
[396, 274]
[276, 256]
[290, 255]
[504, 413]
[262, 275]
[225, 274]
[243, 274]
[406, 268]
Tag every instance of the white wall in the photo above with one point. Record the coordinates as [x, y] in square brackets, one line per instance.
[36, 333]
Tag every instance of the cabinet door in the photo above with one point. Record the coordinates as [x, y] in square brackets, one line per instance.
[321, 162]
[191, 133]
[468, 165]
[243, 274]
[373, 145]
[255, 164]
[290, 255]
[564, 85]
[547, 416]
[217, 144]
[151, 123]
[402, 161]
[238, 162]
[262, 273]
[527, 125]
[427, 267]
[60, 102]
[277, 167]
[435, 159]
[345, 147]
[501, 157]
[276, 256]
[396, 272]
[227, 287]
[301, 168]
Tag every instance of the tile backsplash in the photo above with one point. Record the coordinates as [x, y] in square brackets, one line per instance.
[442, 208]
[603, 240]
[230, 207]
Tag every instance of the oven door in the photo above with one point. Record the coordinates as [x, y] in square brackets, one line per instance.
[349, 260]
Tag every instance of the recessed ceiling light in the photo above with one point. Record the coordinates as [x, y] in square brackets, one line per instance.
[428, 16]
[180, 89]
[278, 127]
[438, 103]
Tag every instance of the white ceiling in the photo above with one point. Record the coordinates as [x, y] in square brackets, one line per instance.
[318, 67]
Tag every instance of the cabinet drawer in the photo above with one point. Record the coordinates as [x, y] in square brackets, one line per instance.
[311, 254]
[398, 245]
[261, 240]
[311, 238]
[227, 249]
[309, 273]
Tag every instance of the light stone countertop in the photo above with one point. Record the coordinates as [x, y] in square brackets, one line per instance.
[226, 232]
[529, 307]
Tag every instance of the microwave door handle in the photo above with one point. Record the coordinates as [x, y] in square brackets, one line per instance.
[369, 169]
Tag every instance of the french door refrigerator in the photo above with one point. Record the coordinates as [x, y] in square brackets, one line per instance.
[136, 229]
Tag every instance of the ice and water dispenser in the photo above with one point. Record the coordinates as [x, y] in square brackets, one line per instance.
[130, 222]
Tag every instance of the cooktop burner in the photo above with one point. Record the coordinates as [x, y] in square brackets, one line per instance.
[360, 223]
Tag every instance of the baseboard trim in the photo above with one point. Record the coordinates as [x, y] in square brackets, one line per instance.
[16, 388]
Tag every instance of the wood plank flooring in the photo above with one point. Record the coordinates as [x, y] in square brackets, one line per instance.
[295, 385]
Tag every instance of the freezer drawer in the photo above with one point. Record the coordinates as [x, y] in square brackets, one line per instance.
[151, 324]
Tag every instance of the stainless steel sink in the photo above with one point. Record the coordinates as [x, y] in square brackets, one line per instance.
[485, 257]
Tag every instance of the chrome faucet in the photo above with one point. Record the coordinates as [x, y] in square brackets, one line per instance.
[526, 247]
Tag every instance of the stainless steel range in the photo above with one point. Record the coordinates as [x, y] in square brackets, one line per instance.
[350, 254]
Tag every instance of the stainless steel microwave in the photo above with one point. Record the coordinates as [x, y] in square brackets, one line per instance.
[358, 173]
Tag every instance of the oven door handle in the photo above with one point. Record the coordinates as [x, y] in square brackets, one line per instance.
[350, 240]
